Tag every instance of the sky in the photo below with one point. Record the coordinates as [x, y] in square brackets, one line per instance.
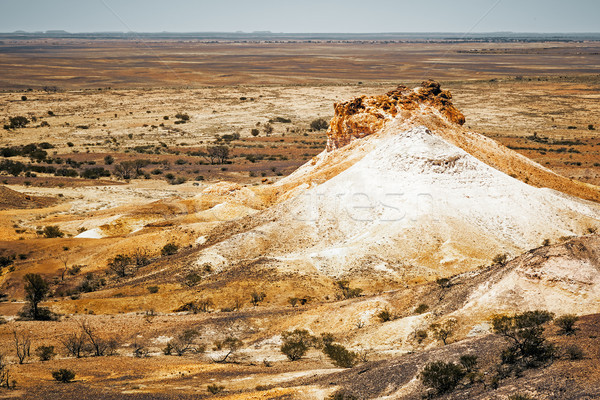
[304, 16]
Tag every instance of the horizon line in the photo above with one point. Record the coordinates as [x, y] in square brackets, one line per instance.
[267, 32]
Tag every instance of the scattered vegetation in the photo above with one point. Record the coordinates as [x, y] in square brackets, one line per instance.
[257, 297]
[63, 375]
[45, 353]
[524, 332]
[296, 343]
[16, 122]
[385, 315]
[231, 344]
[215, 389]
[319, 124]
[442, 376]
[53, 231]
[5, 377]
[120, 265]
[566, 323]
[169, 249]
[500, 259]
[184, 342]
[347, 291]
[574, 352]
[340, 356]
[444, 330]
[421, 308]
[22, 346]
[36, 290]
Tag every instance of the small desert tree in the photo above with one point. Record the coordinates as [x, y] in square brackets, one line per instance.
[296, 343]
[5, 381]
[257, 297]
[347, 291]
[99, 345]
[268, 129]
[36, 290]
[125, 169]
[524, 332]
[217, 154]
[184, 342]
[119, 264]
[442, 331]
[75, 344]
[140, 258]
[230, 344]
[22, 346]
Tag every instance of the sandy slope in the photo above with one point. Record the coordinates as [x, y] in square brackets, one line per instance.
[414, 205]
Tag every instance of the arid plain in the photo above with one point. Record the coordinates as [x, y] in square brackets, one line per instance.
[105, 104]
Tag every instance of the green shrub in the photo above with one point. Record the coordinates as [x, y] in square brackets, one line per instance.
[215, 389]
[566, 323]
[296, 343]
[524, 332]
[153, 289]
[63, 375]
[500, 259]
[340, 356]
[421, 308]
[469, 362]
[45, 353]
[52, 231]
[347, 291]
[442, 376]
[169, 249]
[385, 315]
[319, 124]
[574, 352]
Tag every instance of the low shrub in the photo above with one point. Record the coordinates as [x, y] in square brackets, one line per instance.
[442, 376]
[63, 375]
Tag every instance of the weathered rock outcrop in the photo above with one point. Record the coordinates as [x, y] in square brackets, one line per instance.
[364, 115]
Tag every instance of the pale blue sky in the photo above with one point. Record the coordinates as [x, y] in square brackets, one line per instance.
[352, 16]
